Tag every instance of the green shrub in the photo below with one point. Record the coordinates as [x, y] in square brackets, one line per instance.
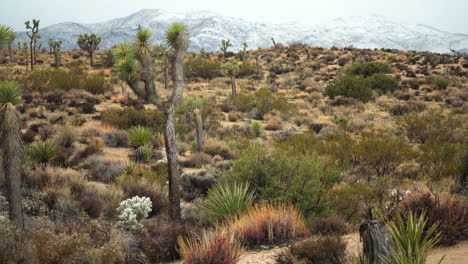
[383, 83]
[246, 69]
[441, 160]
[350, 86]
[265, 101]
[10, 92]
[42, 151]
[382, 152]
[439, 82]
[128, 117]
[228, 201]
[201, 67]
[139, 136]
[302, 180]
[62, 80]
[349, 201]
[367, 69]
[256, 129]
[143, 154]
[330, 226]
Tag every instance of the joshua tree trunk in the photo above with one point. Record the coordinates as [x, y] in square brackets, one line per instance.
[32, 54]
[91, 58]
[27, 59]
[199, 127]
[171, 153]
[57, 59]
[35, 51]
[234, 88]
[10, 143]
[10, 54]
[166, 72]
[376, 243]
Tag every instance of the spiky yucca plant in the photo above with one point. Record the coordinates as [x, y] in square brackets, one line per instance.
[5, 33]
[42, 151]
[412, 244]
[11, 147]
[227, 201]
[139, 136]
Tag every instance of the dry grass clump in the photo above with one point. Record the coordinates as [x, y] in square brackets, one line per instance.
[274, 125]
[268, 223]
[217, 147]
[211, 247]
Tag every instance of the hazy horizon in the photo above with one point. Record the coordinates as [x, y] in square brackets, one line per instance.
[448, 15]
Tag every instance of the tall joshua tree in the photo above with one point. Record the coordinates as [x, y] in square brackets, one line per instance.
[11, 146]
[89, 43]
[32, 34]
[225, 44]
[135, 65]
[55, 47]
[231, 70]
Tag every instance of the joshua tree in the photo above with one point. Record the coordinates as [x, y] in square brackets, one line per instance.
[55, 46]
[11, 147]
[89, 43]
[37, 37]
[25, 49]
[274, 43]
[135, 65]
[231, 70]
[244, 51]
[225, 44]
[32, 34]
[164, 56]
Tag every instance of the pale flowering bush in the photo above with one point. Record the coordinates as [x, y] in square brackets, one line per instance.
[132, 211]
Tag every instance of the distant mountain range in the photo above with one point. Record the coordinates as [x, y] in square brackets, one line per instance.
[207, 29]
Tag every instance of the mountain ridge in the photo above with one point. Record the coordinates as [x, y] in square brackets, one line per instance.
[208, 28]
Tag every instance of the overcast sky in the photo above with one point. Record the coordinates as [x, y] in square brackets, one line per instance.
[448, 15]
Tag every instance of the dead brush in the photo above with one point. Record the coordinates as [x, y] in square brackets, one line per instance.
[268, 223]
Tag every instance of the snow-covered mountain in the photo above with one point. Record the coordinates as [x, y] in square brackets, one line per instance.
[207, 29]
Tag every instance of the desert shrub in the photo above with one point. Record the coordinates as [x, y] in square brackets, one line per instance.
[441, 160]
[449, 213]
[10, 243]
[143, 154]
[290, 177]
[132, 211]
[67, 136]
[157, 197]
[61, 80]
[420, 127]
[246, 69]
[269, 224]
[383, 83]
[412, 240]
[227, 201]
[103, 170]
[92, 204]
[139, 136]
[400, 109]
[350, 86]
[216, 147]
[273, 125]
[338, 145]
[264, 101]
[196, 185]
[256, 128]
[320, 250]
[330, 226]
[116, 139]
[350, 201]
[201, 67]
[438, 81]
[42, 151]
[158, 240]
[197, 160]
[367, 69]
[128, 117]
[211, 247]
[382, 152]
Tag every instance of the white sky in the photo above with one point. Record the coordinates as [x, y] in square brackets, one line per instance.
[448, 15]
